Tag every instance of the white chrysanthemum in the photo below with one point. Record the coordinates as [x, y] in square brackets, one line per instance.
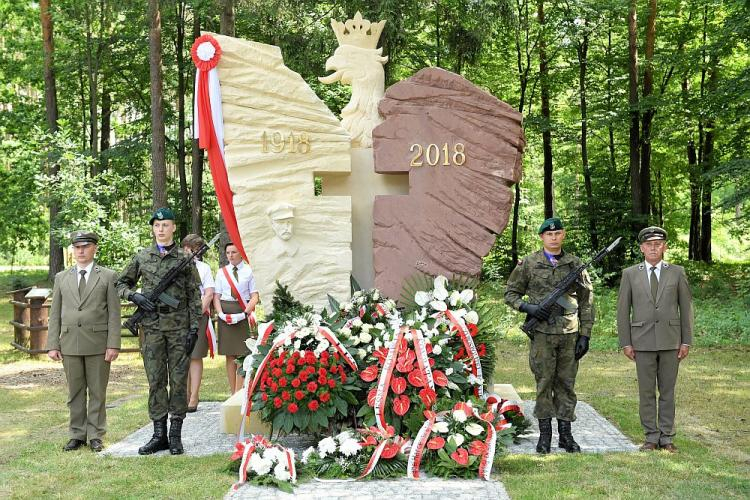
[297, 344]
[306, 454]
[474, 380]
[261, 466]
[300, 322]
[281, 473]
[348, 307]
[459, 415]
[436, 350]
[441, 427]
[355, 339]
[326, 446]
[395, 321]
[375, 295]
[345, 331]
[471, 317]
[273, 454]
[350, 447]
[422, 298]
[343, 436]
[457, 439]
[444, 341]
[366, 328]
[409, 322]
[358, 293]
[474, 429]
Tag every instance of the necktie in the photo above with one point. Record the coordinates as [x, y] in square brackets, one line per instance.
[654, 283]
[82, 283]
[236, 275]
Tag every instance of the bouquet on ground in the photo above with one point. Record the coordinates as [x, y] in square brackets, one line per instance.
[259, 461]
[362, 322]
[366, 453]
[301, 380]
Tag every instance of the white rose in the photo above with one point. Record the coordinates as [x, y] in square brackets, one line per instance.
[457, 439]
[365, 338]
[326, 446]
[441, 427]
[355, 340]
[459, 415]
[350, 447]
[361, 353]
[436, 350]
[273, 454]
[380, 326]
[280, 472]
[356, 322]
[422, 298]
[471, 317]
[297, 344]
[474, 429]
[345, 332]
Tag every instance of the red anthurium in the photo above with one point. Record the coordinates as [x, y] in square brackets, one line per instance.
[436, 443]
[369, 374]
[398, 384]
[428, 396]
[487, 417]
[465, 407]
[461, 456]
[371, 397]
[380, 355]
[439, 378]
[415, 378]
[369, 441]
[403, 346]
[401, 405]
[390, 450]
[477, 447]
[428, 414]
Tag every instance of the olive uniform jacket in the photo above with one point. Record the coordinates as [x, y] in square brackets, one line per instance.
[654, 325]
[89, 325]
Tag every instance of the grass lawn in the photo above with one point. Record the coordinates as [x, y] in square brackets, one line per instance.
[713, 405]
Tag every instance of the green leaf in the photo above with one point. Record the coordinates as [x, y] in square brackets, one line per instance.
[341, 405]
[285, 486]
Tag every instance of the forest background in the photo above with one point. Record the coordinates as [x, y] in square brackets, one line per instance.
[635, 113]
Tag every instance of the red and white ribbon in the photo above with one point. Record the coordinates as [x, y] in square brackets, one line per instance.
[374, 459]
[336, 343]
[417, 449]
[208, 124]
[381, 309]
[384, 381]
[485, 464]
[264, 332]
[423, 360]
[213, 345]
[289, 453]
[248, 450]
[468, 341]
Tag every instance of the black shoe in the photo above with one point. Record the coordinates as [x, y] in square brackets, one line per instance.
[545, 436]
[566, 440]
[74, 444]
[96, 445]
[175, 436]
[158, 441]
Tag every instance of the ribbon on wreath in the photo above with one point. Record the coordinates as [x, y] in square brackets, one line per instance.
[245, 448]
[468, 341]
[336, 343]
[485, 464]
[384, 381]
[211, 336]
[423, 361]
[417, 451]
[209, 127]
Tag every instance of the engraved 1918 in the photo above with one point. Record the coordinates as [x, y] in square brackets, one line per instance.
[276, 142]
[433, 155]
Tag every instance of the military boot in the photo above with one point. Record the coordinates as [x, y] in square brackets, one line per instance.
[545, 436]
[566, 440]
[175, 436]
[158, 441]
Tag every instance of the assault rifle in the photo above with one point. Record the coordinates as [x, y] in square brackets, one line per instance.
[159, 294]
[555, 302]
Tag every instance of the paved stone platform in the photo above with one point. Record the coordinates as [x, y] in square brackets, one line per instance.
[424, 489]
[594, 433]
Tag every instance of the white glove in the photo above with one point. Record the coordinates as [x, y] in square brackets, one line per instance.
[231, 319]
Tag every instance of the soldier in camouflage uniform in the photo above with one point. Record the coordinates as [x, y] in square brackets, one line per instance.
[168, 332]
[556, 346]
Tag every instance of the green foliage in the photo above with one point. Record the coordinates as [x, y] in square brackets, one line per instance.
[285, 306]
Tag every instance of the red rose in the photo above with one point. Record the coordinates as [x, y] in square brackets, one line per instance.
[277, 402]
[336, 356]
[322, 372]
[477, 447]
[436, 443]
[415, 378]
[369, 374]
[303, 376]
[295, 355]
[428, 396]
[282, 382]
[264, 397]
[296, 382]
[290, 368]
[282, 355]
[292, 408]
[332, 383]
[312, 387]
[300, 361]
[398, 384]
[473, 330]
[371, 397]
[310, 358]
[313, 405]
[325, 397]
[439, 378]
[343, 379]
[298, 395]
[274, 387]
[461, 456]
[390, 450]
[276, 372]
[285, 395]
[322, 380]
[401, 405]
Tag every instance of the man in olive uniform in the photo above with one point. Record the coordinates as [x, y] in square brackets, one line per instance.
[84, 333]
[655, 326]
[169, 332]
[556, 345]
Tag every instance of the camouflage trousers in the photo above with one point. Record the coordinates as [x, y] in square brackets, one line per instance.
[552, 361]
[166, 362]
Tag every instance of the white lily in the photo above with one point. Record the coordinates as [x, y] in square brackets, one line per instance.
[457, 439]
[441, 427]
[474, 429]
[439, 305]
[440, 292]
[459, 415]
[455, 297]
[422, 298]
[467, 296]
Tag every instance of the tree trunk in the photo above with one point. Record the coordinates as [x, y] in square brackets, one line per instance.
[196, 198]
[437, 33]
[635, 169]
[227, 18]
[158, 161]
[694, 245]
[583, 49]
[648, 115]
[179, 46]
[56, 263]
[92, 76]
[106, 125]
[708, 164]
[546, 121]
[610, 125]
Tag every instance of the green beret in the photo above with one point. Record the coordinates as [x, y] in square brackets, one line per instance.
[551, 224]
[83, 237]
[652, 233]
[162, 214]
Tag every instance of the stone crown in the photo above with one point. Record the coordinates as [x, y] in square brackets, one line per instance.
[358, 32]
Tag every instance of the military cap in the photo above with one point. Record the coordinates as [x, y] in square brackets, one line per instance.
[83, 237]
[163, 213]
[280, 211]
[551, 224]
[652, 233]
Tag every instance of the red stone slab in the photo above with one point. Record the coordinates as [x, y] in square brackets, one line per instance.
[452, 214]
